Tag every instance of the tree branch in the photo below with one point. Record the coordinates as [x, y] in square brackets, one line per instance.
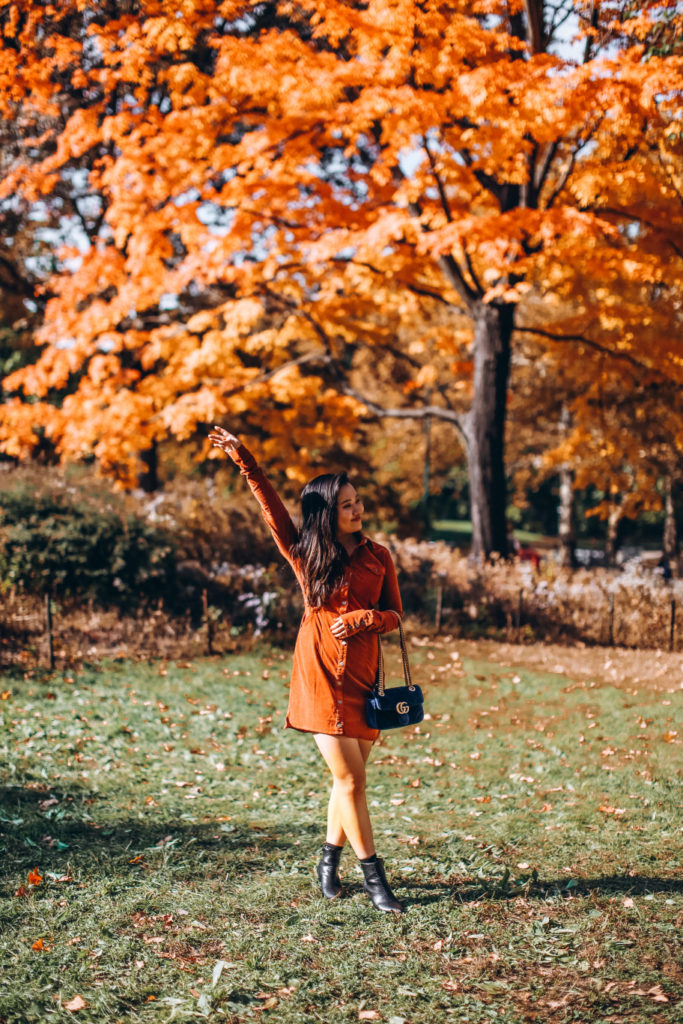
[447, 263]
[17, 281]
[534, 25]
[564, 177]
[424, 412]
[603, 349]
[445, 205]
[651, 224]
[328, 360]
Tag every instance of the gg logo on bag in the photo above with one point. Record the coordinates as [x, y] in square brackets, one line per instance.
[402, 708]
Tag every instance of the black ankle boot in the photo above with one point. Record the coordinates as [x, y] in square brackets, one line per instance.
[327, 869]
[377, 887]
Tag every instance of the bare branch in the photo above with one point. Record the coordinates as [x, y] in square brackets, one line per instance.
[424, 412]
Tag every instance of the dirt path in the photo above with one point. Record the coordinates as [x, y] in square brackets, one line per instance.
[658, 671]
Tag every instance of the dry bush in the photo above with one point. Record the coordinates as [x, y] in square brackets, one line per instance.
[231, 585]
[631, 608]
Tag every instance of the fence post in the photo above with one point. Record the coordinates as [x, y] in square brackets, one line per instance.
[672, 626]
[518, 616]
[610, 624]
[48, 629]
[209, 622]
[439, 603]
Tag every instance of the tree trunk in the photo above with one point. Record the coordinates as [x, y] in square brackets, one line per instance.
[670, 539]
[425, 486]
[567, 519]
[148, 477]
[567, 511]
[485, 428]
[613, 520]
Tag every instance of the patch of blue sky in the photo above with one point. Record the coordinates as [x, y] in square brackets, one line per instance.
[218, 219]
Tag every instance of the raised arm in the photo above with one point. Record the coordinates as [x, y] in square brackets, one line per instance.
[274, 512]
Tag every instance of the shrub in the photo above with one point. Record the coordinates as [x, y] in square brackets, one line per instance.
[75, 537]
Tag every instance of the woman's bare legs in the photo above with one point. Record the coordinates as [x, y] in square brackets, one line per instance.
[348, 815]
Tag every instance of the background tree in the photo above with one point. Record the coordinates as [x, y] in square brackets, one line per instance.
[266, 190]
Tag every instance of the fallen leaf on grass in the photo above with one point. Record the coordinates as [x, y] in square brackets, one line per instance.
[368, 1015]
[77, 1003]
[5, 695]
[38, 944]
[269, 1000]
[307, 938]
[34, 878]
[628, 902]
[21, 891]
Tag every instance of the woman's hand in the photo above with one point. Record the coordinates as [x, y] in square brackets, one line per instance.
[223, 439]
[338, 627]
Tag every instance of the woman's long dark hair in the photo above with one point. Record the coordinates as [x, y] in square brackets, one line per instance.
[322, 558]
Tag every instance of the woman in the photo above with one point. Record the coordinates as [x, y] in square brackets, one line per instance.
[350, 593]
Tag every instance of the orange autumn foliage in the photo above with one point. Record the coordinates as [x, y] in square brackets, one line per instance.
[259, 194]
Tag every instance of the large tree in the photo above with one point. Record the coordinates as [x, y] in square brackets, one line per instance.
[264, 190]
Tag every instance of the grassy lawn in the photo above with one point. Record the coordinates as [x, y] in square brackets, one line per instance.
[459, 533]
[532, 826]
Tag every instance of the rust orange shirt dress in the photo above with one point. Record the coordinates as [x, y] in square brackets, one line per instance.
[332, 678]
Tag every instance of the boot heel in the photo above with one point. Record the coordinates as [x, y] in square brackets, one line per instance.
[328, 871]
[376, 886]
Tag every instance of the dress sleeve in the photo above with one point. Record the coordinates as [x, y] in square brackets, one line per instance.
[274, 512]
[390, 612]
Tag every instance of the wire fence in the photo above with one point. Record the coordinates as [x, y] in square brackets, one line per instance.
[441, 591]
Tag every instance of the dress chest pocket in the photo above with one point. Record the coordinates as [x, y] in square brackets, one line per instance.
[367, 582]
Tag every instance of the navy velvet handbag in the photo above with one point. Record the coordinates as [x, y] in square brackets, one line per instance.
[399, 705]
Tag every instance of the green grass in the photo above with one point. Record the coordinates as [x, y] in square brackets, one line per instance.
[459, 533]
[532, 826]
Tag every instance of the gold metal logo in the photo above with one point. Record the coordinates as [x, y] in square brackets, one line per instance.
[402, 708]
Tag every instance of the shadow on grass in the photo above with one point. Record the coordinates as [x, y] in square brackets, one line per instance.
[424, 893]
[56, 843]
[45, 827]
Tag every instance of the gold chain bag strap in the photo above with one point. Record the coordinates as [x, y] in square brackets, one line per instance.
[399, 705]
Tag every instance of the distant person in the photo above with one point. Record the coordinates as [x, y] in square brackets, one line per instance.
[664, 569]
[344, 576]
